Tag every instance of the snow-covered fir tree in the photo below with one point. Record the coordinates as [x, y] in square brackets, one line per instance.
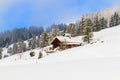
[71, 29]
[103, 23]
[44, 40]
[96, 24]
[88, 31]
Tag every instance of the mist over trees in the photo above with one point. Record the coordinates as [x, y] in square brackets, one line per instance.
[21, 34]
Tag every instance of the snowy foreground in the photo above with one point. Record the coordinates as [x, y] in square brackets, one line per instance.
[97, 61]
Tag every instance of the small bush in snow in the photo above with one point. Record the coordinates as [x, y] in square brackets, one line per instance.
[40, 55]
[0, 55]
[102, 41]
[32, 54]
[6, 56]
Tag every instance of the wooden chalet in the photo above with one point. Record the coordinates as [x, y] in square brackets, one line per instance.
[63, 42]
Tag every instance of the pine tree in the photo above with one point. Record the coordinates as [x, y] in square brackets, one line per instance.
[21, 47]
[37, 42]
[10, 50]
[88, 31]
[44, 40]
[103, 23]
[15, 48]
[34, 42]
[30, 44]
[81, 26]
[119, 20]
[88, 22]
[71, 29]
[96, 26]
[88, 34]
[111, 23]
[116, 19]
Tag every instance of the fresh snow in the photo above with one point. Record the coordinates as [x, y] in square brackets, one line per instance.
[99, 60]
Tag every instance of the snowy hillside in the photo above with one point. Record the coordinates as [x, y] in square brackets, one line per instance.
[99, 60]
[106, 43]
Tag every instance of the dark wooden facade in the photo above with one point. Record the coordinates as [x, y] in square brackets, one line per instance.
[63, 45]
[56, 43]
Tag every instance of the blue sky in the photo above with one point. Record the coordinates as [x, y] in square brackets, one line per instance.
[25, 13]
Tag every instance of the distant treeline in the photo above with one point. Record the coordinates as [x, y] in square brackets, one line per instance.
[22, 34]
[19, 34]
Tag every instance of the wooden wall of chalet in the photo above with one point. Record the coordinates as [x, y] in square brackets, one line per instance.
[56, 43]
[67, 46]
[63, 45]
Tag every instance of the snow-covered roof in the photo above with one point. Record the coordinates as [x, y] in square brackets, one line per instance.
[69, 40]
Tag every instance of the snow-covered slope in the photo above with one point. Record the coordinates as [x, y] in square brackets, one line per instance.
[106, 43]
[99, 60]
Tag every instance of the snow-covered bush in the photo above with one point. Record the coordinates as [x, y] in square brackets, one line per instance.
[1, 53]
[32, 54]
[6, 56]
[40, 55]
